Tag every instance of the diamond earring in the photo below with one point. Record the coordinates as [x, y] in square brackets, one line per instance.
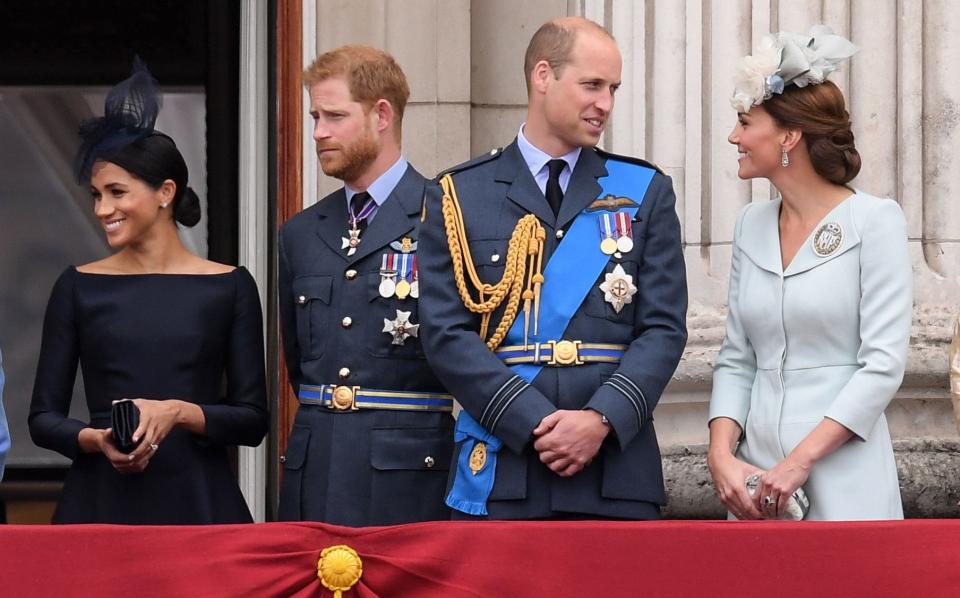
[784, 158]
[164, 205]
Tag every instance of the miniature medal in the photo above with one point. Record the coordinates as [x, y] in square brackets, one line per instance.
[400, 327]
[827, 239]
[403, 272]
[388, 274]
[618, 288]
[624, 233]
[608, 245]
[415, 283]
[387, 286]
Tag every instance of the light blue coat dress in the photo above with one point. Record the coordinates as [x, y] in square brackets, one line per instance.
[827, 337]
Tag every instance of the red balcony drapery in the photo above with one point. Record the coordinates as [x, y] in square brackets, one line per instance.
[490, 559]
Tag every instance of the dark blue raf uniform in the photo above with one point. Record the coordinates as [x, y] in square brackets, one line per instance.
[372, 438]
[625, 479]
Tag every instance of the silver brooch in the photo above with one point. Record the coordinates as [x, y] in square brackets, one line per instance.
[827, 239]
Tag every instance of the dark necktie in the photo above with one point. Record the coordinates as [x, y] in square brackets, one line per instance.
[553, 191]
[357, 203]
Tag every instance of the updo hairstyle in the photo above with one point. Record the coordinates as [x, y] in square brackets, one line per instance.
[820, 113]
[154, 159]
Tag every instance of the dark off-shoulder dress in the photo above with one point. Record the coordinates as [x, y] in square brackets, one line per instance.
[197, 338]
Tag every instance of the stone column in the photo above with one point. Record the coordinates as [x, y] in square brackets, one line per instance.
[499, 32]
[431, 41]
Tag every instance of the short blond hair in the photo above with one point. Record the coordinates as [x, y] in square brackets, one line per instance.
[554, 42]
[371, 75]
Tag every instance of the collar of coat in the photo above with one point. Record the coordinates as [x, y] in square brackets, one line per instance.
[397, 217]
[758, 236]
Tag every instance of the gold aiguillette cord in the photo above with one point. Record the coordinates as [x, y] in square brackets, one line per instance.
[522, 274]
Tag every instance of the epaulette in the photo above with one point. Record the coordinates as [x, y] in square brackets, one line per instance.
[475, 161]
[629, 159]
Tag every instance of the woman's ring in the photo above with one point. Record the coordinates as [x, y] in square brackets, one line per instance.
[156, 446]
[768, 500]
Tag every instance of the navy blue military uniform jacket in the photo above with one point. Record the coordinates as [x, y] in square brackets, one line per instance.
[625, 479]
[371, 466]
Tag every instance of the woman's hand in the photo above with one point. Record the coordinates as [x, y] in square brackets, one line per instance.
[729, 477]
[96, 440]
[157, 418]
[779, 484]
[791, 473]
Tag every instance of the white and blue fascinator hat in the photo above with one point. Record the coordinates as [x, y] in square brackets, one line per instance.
[788, 59]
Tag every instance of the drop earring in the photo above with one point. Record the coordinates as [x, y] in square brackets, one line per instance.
[784, 158]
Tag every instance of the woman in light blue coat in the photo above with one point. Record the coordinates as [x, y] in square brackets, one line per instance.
[820, 303]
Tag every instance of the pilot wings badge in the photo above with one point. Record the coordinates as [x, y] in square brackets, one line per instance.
[611, 203]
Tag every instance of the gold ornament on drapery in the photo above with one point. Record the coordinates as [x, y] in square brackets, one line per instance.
[339, 568]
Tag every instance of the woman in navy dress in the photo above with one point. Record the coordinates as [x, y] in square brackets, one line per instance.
[179, 335]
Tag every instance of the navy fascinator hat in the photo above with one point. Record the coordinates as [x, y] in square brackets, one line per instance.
[129, 115]
[125, 136]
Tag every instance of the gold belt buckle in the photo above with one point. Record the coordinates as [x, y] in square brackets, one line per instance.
[565, 353]
[344, 398]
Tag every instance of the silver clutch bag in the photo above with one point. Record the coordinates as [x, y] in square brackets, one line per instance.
[798, 505]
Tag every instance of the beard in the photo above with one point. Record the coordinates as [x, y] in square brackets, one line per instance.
[352, 160]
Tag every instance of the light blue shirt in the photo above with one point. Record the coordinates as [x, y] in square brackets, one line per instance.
[537, 159]
[4, 431]
[381, 188]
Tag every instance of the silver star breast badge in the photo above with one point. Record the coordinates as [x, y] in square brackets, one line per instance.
[400, 328]
[618, 288]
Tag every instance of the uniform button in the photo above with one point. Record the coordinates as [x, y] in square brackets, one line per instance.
[560, 234]
[350, 274]
[301, 299]
[344, 373]
[429, 462]
[495, 258]
[346, 322]
[283, 458]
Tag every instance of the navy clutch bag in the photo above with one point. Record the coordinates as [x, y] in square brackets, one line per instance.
[124, 419]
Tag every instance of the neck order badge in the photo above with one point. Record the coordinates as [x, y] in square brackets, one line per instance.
[569, 275]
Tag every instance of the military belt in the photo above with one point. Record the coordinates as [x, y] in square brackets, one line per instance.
[561, 353]
[352, 398]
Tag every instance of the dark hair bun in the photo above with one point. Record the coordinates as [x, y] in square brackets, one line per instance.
[820, 112]
[186, 208]
[835, 156]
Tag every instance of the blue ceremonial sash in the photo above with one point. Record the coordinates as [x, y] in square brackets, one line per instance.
[568, 278]
[470, 490]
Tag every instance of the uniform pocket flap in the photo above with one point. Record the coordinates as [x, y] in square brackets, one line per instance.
[411, 449]
[308, 288]
[297, 447]
[489, 252]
